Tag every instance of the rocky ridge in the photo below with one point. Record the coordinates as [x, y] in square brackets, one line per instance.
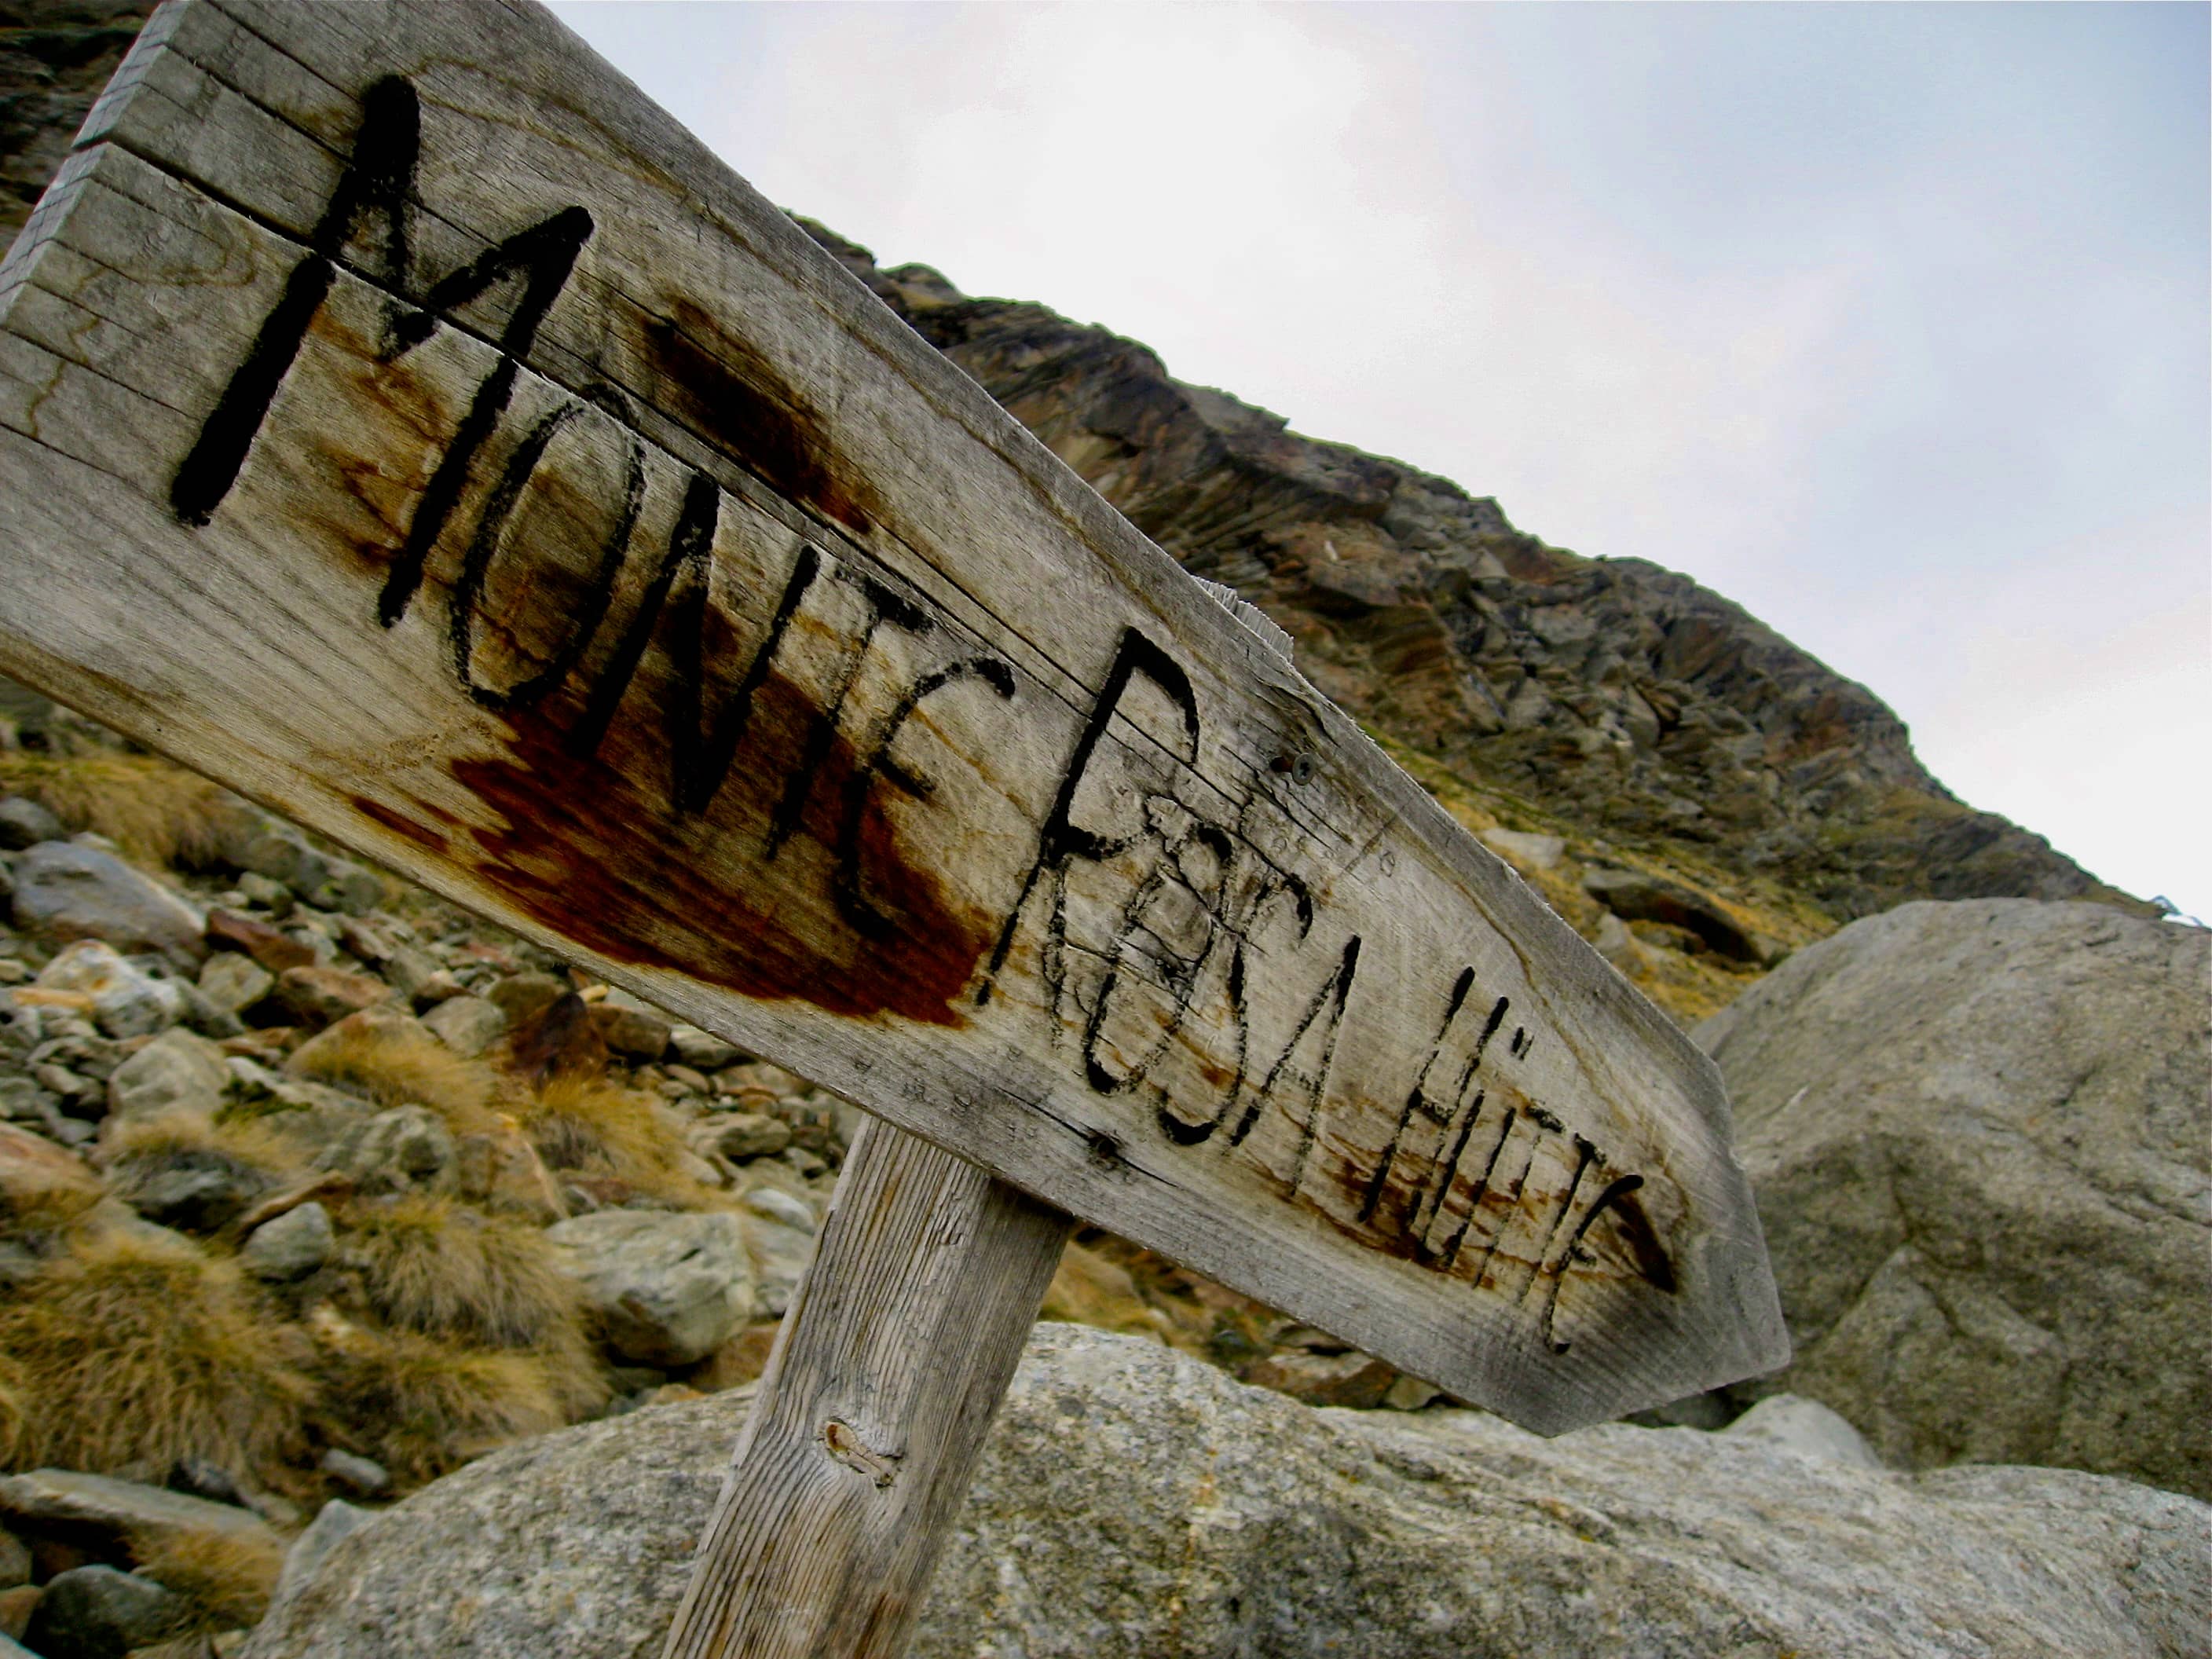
[1604, 694]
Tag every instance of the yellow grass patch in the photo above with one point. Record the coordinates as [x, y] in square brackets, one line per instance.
[154, 809]
[227, 1578]
[439, 1268]
[13, 1417]
[397, 1064]
[597, 1128]
[422, 1405]
[242, 1140]
[31, 1212]
[133, 1351]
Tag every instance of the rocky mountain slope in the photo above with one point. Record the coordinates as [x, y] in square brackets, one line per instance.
[1621, 699]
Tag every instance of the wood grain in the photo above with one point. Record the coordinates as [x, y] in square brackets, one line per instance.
[405, 421]
[885, 1377]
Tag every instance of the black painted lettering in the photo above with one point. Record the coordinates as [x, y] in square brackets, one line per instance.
[883, 606]
[1515, 1193]
[376, 182]
[701, 750]
[1060, 839]
[860, 911]
[1637, 1236]
[1586, 1154]
[1239, 927]
[1326, 1009]
[545, 256]
[583, 622]
[1171, 882]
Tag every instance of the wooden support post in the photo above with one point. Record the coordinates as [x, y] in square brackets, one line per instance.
[897, 1346]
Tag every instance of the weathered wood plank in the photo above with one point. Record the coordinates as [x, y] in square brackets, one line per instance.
[884, 1378]
[405, 421]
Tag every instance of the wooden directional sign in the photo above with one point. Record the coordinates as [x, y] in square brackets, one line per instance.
[403, 419]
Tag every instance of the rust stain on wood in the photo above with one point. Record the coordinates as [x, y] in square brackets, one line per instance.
[400, 824]
[592, 850]
[722, 387]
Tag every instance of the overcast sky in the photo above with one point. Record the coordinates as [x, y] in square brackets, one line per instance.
[1892, 323]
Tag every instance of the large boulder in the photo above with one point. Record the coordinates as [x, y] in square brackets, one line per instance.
[65, 891]
[1981, 1142]
[1133, 1501]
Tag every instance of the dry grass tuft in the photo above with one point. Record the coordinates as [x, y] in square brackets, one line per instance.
[155, 811]
[246, 1141]
[38, 1214]
[13, 1417]
[403, 1066]
[597, 1128]
[133, 1351]
[441, 1269]
[227, 1579]
[422, 1405]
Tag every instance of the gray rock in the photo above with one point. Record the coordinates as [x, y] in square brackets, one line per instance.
[234, 983]
[1525, 846]
[364, 1474]
[280, 855]
[1134, 1502]
[349, 890]
[1980, 1137]
[126, 999]
[407, 1149]
[203, 1016]
[114, 1513]
[334, 1523]
[519, 996]
[22, 1101]
[66, 891]
[274, 896]
[97, 1612]
[197, 1189]
[11, 1648]
[741, 1135]
[22, 1029]
[290, 1247]
[1615, 943]
[412, 970]
[779, 1230]
[668, 1290]
[466, 1025]
[317, 1111]
[176, 1073]
[1634, 895]
[24, 822]
[785, 1209]
[15, 1561]
[1805, 1427]
[631, 1028]
[702, 1051]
